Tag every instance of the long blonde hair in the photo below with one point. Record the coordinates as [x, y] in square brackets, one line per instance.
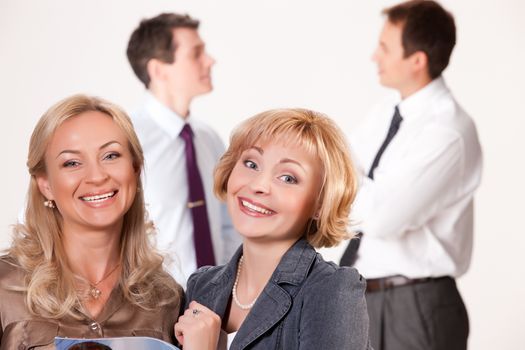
[319, 135]
[37, 244]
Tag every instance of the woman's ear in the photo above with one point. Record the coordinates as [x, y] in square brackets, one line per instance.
[318, 205]
[43, 186]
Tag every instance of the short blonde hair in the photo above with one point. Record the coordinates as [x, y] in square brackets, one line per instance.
[37, 245]
[318, 134]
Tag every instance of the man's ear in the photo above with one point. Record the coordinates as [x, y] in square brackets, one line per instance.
[155, 69]
[43, 186]
[420, 61]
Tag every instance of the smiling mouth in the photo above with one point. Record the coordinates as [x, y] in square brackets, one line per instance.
[253, 207]
[99, 197]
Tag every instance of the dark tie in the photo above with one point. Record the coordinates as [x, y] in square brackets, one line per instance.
[197, 204]
[350, 255]
[392, 131]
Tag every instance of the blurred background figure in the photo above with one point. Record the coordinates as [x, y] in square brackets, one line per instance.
[193, 228]
[420, 164]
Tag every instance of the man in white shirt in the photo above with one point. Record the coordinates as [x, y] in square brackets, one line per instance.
[420, 162]
[169, 57]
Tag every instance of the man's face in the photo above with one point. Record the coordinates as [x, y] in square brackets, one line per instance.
[395, 71]
[189, 74]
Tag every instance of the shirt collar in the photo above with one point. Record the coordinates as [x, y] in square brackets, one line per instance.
[295, 264]
[413, 105]
[168, 120]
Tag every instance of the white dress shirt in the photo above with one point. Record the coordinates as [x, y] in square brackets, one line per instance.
[166, 189]
[417, 213]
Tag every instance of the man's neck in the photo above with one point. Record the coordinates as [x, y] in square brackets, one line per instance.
[414, 86]
[178, 104]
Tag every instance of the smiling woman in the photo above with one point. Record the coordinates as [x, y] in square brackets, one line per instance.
[288, 182]
[89, 174]
[82, 265]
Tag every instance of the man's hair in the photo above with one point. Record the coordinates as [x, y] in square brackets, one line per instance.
[154, 39]
[427, 27]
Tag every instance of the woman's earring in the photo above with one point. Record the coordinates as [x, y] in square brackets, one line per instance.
[49, 203]
[316, 216]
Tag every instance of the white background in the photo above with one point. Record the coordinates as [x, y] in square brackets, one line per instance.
[277, 53]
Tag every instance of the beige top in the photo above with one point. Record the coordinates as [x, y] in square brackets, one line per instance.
[21, 330]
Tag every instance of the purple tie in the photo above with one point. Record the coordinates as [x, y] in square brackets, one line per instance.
[197, 204]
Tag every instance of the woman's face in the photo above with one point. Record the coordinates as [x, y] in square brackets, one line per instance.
[89, 173]
[272, 191]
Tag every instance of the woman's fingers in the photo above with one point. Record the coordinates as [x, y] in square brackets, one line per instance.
[179, 334]
[198, 327]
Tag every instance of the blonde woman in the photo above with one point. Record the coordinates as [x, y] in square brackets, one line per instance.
[82, 265]
[288, 182]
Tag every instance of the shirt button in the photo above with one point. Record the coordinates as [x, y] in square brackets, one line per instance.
[94, 326]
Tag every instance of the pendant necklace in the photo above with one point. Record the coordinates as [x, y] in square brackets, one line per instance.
[94, 291]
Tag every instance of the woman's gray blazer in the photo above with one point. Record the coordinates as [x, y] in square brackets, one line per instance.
[308, 303]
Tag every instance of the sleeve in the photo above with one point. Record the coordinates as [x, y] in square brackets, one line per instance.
[190, 287]
[192, 284]
[407, 195]
[334, 313]
[171, 316]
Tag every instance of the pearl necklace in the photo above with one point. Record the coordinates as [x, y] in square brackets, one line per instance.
[234, 290]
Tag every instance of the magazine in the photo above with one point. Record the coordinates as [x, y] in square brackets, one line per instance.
[124, 343]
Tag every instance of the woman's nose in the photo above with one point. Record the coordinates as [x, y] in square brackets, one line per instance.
[260, 184]
[96, 174]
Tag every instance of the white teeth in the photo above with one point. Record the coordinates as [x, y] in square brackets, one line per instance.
[255, 208]
[98, 197]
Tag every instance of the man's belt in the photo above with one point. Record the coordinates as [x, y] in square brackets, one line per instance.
[377, 284]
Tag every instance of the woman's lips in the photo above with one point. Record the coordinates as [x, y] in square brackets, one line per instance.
[254, 209]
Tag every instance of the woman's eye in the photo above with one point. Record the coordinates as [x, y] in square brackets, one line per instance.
[70, 164]
[250, 164]
[112, 155]
[289, 179]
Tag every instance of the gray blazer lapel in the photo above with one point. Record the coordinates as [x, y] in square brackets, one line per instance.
[216, 293]
[271, 306]
[276, 298]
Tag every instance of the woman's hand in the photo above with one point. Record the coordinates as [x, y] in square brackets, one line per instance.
[198, 328]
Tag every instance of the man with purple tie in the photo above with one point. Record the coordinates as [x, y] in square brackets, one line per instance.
[193, 228]
[420, 161]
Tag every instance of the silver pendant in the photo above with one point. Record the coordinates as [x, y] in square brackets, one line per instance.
[95, 292]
